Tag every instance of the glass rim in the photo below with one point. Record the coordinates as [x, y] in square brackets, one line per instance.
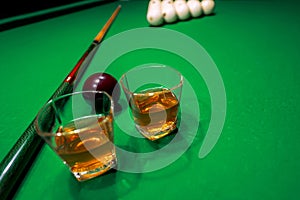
[152, 66]
[77, 92]
[53, 100]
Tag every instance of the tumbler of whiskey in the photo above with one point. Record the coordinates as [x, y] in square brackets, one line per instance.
[153, 92]
[80, 132]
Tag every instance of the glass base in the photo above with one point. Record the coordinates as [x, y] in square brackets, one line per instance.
[97, 171]
[154, 134]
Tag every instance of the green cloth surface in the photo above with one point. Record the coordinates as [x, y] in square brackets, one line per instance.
[255, 46]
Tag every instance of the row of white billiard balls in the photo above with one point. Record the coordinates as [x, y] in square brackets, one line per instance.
[160, 11]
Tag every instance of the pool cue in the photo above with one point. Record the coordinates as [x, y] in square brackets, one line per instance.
[14, 166]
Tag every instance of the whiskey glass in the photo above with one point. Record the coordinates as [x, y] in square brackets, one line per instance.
[79, 128]
[153, 92]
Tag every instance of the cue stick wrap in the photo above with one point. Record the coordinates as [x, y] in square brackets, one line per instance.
[17, 162]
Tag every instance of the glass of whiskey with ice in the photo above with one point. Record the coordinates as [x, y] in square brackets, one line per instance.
[80, 131]
[153, 92]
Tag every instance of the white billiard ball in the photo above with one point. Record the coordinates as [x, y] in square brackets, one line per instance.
[168, 11]
[208, 6]
[195, 8]
[154, 13]
[182, 9]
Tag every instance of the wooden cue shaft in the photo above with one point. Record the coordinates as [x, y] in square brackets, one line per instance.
[97, 40]
[17, 162]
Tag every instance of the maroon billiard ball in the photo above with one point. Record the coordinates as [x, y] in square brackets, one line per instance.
[102, 82]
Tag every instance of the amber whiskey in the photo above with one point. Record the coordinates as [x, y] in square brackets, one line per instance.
[86, 146]
[155, 112]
